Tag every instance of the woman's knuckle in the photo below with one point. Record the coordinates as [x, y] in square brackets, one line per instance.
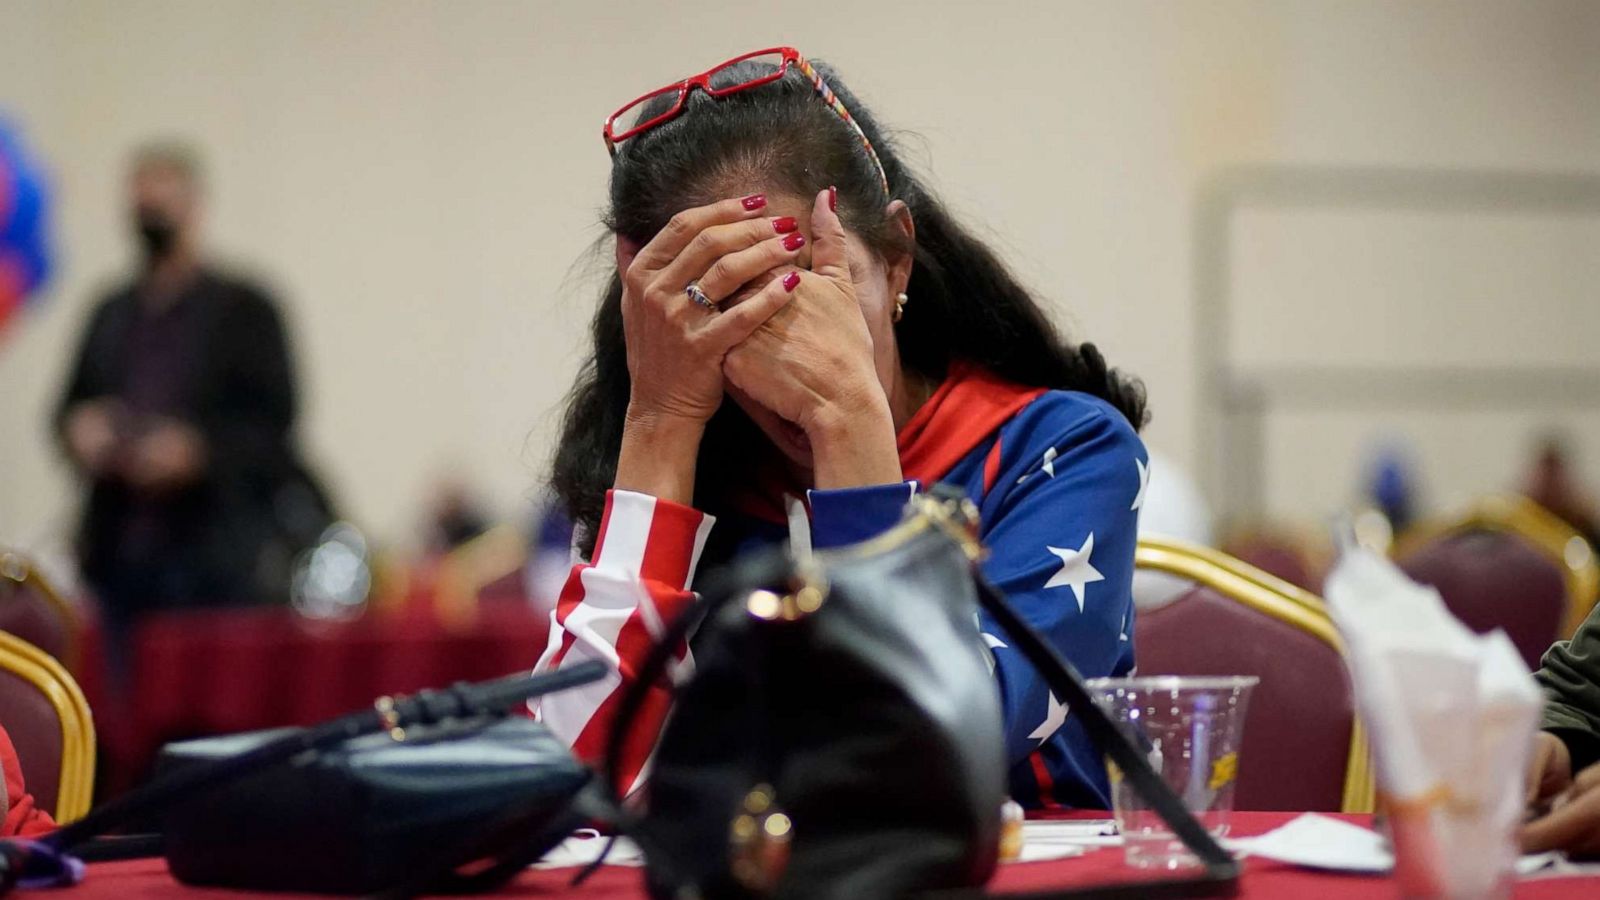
[719, 272]
[707, 241]
[680, 225]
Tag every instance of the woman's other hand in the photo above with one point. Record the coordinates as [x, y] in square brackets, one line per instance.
[676, 346]
[812, 365]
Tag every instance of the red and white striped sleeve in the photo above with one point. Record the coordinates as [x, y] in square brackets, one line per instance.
[612, 609]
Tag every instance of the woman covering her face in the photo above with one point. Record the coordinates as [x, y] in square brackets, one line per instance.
[797, 339]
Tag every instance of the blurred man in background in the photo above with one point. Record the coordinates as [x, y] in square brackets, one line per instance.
[1553, 483]
[178, 412]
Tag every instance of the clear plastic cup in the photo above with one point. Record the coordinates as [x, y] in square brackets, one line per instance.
[1190, 729]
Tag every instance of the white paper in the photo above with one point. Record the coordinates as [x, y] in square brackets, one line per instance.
[1321, 842]
[583, 847]
[1450, 715]
[1041, 840]
[1060, 839]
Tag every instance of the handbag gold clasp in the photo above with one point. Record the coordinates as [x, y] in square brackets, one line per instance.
[956, 517]
[808, 589]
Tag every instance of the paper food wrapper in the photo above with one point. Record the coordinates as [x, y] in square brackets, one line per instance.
[1451, 716]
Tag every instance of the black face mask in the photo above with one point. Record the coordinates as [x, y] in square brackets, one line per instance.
[157, 234]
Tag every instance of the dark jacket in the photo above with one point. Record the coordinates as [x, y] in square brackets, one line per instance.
[1570, 676]
[220, 535]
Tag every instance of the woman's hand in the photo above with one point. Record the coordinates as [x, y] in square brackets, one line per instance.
[812, 365]
[676, 346]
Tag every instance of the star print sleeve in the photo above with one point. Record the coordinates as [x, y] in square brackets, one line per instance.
[1061, 522]
[612, 609]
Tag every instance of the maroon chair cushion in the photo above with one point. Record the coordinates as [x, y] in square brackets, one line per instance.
[1491, 579]
[1297, 731]
[35, 731]
[25, 613]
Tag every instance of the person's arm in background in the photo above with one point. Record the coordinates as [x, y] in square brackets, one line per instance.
[84, 420]
[1565, 770]
[22, 817]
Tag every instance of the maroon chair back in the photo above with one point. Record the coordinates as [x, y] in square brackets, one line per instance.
[1495, 579]
[1297, 731]
[23, 614]
[30, 610]
[1277, 556]
[35, 730]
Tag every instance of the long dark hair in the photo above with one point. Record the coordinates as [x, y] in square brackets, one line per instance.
[781, 138]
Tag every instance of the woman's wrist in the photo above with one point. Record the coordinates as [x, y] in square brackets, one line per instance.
[658, 455]
[854, 444]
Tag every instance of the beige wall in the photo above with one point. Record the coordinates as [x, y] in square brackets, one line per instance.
[419, 178]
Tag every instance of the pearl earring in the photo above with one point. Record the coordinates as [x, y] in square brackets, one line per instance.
[900, 305]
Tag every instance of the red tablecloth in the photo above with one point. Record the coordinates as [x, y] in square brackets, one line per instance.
[149, 878]
[220, 671]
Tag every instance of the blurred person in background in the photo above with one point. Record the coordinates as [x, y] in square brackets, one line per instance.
[455, 516]
[1553, 484]
[1564, 775]
[177, 412]
[1392, 486]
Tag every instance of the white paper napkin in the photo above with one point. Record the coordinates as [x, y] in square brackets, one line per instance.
[1451, 716]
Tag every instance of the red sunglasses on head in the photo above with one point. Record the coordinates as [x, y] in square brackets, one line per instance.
[662, 104]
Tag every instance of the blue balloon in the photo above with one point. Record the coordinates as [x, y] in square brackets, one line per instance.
[25, 258]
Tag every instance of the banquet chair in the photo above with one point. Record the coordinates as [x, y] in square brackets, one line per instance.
[1278, 551]
[48, 721]
[33, 610]
[1304, 748]
[1508, 563]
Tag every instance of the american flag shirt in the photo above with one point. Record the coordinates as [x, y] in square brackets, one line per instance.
[1058, 477]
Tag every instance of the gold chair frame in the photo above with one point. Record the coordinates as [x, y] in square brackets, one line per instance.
[34, 666]
[1271, 596]
[1554, 539]
[16, 568]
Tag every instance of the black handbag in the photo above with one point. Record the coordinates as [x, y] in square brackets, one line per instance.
[841, 736]
[436, 791]
[362, 816]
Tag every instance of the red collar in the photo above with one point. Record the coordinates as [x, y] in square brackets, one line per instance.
[966, 409]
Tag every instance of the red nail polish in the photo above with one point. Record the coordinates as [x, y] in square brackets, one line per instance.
[833, 197]
[785, 224]
[754, 201]
[794, 241]
[791, 281]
